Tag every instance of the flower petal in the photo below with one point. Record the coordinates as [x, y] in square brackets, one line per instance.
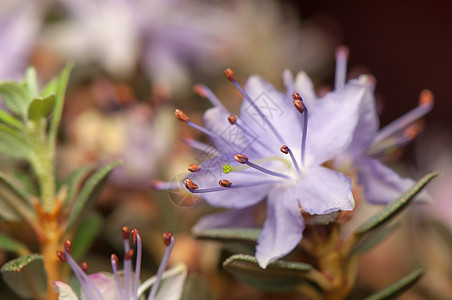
[64, 291]
[322, 191]
[232, 218]
[106, 284]
[381, 184]
[305, 87]
[283, 228]
[173, 287]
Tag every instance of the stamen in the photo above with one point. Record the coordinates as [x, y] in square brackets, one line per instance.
[205, 92]
[84, 267]
[426, 101]
[233, 121]
[225, 183]
[222, 188]
[164, 185]
[127, 263]
[298, 102]
[286, 150]
[181, 116]
[190, 185]
[137, 241]
[231, 77]
[201, 146]
[342, 53]
[168, 239]
[61, 256]
[194, 168]
[244, 160]
[114, 265]
[68, 247]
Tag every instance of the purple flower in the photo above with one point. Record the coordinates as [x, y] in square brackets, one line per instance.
[275, 151]
[125, 285]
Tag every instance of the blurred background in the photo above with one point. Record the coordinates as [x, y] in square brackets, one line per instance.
[135, 61]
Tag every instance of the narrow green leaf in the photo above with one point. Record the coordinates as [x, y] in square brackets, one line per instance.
[41, 107]
[14, 205]
[229, 234]
[10, 120]
[50, 88]
[374, 238]
[86, 233]
[59, 101]
[26, 276]
[73, 182]
[13, 143]
[89, 194]
[278, 276]
[12, 245]
[395, 207]
[15, 96]
[398, 287]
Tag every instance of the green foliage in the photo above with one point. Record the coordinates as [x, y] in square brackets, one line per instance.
[278, 276]
[395, 207]
[196, 288]
[86, 233]
[26, 276]
[89, 194]
[12, 245]
[395, 289]
[229, 234]
[14, 205]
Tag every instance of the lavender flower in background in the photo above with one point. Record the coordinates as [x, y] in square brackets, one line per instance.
[125, 285]
[20, 22]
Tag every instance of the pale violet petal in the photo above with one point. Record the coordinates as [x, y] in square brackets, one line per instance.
[168, 274]
[173, 287]
[382, 185]
[305, 87]
[332, 122]
[106, 284]
[283, 228]
[322, 191]
[367, 126]
[64, 291]
[232, 218]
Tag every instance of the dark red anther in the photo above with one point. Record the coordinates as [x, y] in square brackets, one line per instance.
[134, 236]
[225, 183]
[84, 267]
[298, 102]
[241, 158]
[190, 185]
[229, 74]
[129, 255]
[61, 256]
[181, 116]
[125, 232]
[284, 149]
[68, 246]
[199, 89]
[167, 238]
[232, 119]
[114, 259]
[194, 168]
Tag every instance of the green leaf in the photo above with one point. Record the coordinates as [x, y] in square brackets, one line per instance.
[398, 287]
[395, 207]
[15, 96]
[73, 182]
[13, 143]
[86, 233]
[12, 245]
[374, 238]
[58, 104]
[229, 234]
[14, 205]
[10, 120]
[278, 276]
[26, 276]
[89, 194]
[41, 107]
